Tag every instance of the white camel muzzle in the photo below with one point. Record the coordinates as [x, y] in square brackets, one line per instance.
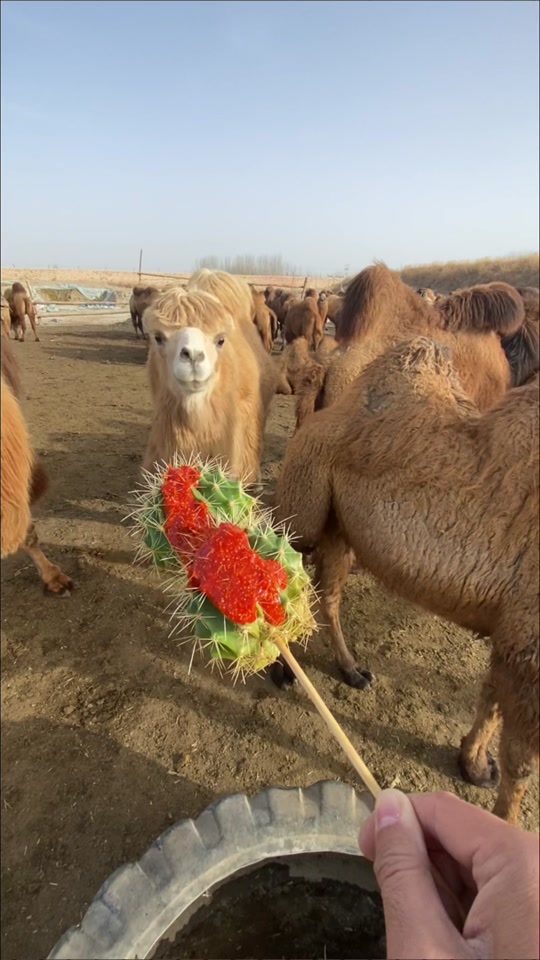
[195, 360]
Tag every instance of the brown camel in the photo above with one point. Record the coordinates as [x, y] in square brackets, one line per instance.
[264, 319]
[279, 303]
[380, 310]
[20, 307]
[296, 357]
[440, 503]
[304, 320]
[210, 378]
[24, 481]
[140, 299]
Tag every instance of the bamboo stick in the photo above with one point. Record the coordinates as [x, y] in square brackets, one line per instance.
[357, 763]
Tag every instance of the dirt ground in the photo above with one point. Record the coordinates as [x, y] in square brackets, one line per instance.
[107, 739]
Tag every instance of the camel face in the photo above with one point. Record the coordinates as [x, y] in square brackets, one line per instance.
[191, 357]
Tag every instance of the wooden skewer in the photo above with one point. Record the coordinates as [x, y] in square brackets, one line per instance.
[336, 730]
[354, 757]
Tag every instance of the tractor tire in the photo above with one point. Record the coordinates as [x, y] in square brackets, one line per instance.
[143, 903]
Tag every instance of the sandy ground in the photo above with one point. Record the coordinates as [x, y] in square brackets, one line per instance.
[107, 739]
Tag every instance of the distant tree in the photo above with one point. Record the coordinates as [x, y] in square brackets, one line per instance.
[250, 266]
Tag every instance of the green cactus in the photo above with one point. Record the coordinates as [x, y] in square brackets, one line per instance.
[248, 648]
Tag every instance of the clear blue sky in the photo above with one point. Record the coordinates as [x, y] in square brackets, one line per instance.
[328, 132]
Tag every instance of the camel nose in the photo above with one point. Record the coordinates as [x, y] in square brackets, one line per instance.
[192, 354]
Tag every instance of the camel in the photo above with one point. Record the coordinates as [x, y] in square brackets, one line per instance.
[379, 310]
[429, 295]
[322, 303]
[210, 378]
[296, 357]
[140, 299]
[303, 320]
[20, 307]
[439, 502]
[279, 302]
[24, 481]
[264, 319]
[334, 303]
[6, 317]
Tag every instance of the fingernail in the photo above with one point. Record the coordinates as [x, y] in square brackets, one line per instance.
[390, 808]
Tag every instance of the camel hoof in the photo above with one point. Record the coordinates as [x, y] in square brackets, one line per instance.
[59, 587]
[281, 675]
[359, 679]
[485, 775]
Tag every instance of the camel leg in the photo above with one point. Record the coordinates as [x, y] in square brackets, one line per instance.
[333, 564]
[32, 320]
[518, 754]
[475, 761]
[55, 583]
[20, 329]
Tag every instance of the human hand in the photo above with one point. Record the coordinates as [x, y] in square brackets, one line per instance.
[491, 867]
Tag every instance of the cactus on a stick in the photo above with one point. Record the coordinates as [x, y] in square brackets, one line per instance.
[237, 579]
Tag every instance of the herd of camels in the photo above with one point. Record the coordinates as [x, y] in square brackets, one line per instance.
[414, 456]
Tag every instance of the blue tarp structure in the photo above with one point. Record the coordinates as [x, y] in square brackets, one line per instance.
[98, 298]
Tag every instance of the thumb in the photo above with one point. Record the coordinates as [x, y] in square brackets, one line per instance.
[417, 924]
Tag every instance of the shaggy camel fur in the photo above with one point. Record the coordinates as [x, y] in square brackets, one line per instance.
[24, 481]
[140, 299]
[20, 307]
[210, 378]
[440, 502]
[264, 319]
[380, 310]
[235, 295]
[304, 320]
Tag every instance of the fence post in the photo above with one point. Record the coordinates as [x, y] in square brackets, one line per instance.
[140, 265]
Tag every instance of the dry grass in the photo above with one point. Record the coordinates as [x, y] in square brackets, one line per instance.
[445, 277]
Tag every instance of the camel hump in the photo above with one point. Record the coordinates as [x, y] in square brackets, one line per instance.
[370, 295]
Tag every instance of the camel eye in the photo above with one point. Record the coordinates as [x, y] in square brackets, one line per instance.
[220, 341]
[159, 338]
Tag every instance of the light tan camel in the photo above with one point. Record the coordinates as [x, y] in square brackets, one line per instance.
[440, 503]
[210, 378]
[20, 307]
[6, 317]
[24, 481]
